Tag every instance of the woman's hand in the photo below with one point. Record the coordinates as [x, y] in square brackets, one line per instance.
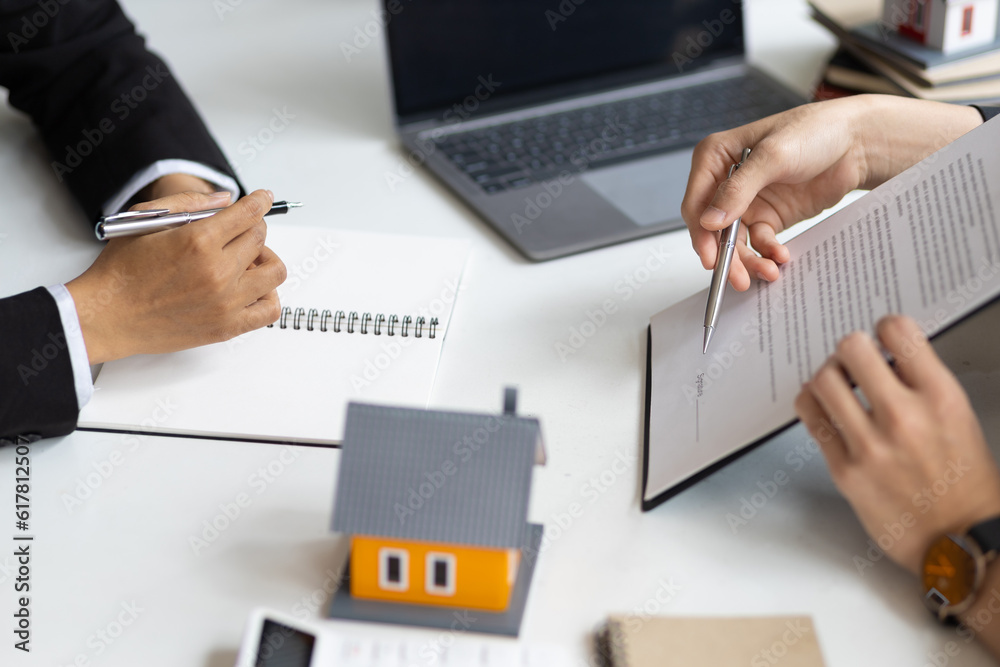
[804, 161]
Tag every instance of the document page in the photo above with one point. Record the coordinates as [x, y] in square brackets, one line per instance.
[925, 244]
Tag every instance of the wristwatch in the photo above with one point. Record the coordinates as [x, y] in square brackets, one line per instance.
[955, 567]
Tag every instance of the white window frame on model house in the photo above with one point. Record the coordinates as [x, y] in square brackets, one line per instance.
[384, 554]
[919, 16]
[967, 20]
[430, 583]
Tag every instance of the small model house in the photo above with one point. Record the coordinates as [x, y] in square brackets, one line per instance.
[946, 25]
[436, 504]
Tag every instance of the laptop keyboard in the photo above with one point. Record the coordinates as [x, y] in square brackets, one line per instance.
[534, 150]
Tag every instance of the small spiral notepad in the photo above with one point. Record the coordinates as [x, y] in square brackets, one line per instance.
[364, 317]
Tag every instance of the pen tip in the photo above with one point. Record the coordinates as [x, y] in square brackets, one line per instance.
[708, 339]
[294, 204]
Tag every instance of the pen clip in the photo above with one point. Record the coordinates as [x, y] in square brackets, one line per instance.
[134, 215]
[737, 165]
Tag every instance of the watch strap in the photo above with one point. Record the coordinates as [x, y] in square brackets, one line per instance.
[987, 535]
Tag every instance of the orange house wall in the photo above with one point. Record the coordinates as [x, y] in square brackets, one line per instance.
[480, 574]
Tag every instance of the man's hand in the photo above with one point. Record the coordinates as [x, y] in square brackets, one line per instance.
[917, 450]
[202, 283]
[804, 161]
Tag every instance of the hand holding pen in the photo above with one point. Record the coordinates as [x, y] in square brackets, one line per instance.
[138, 223]
[723, 261]
[204, 282]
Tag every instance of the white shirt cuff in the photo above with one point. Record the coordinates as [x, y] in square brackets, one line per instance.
[74, 341]
[162, 168]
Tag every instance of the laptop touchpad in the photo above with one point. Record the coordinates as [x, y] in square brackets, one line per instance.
[648, 191]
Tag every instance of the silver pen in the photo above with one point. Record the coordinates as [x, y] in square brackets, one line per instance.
[137, 223]
[720, 276]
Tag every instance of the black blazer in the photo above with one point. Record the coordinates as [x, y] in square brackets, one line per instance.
[106, 108]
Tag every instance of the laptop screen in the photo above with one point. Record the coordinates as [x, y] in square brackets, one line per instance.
[443, 51]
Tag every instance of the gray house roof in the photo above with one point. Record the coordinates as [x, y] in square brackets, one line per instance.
[436, 476]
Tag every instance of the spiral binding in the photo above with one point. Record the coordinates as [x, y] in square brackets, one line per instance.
[364, 323]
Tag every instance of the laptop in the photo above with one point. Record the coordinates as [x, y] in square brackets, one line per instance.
[569, 124]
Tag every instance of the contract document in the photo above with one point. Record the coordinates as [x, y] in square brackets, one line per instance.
[925, 244]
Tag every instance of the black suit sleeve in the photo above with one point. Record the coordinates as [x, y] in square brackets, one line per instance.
[37, 393]
[105, 106]
[986, 112]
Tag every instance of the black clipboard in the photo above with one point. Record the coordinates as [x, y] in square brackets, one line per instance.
[718, 465]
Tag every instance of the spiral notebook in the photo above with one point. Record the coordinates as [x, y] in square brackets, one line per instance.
[364, 318]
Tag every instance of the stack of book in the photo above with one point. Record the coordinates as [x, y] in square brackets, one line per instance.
[875, 58]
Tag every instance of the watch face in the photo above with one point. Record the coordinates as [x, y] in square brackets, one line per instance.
[950, 571]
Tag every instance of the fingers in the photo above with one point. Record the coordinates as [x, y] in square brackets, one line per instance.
[260, 313]
[734, 194]
[858, 354]
[705, 243]
[917, 364]
[834, 395]
[710, 165]
[245, 248]
[227, 225]
[764, 241]
[264, 277]
[186, 201]
[712, 201]
[822, 429]
[738, 275]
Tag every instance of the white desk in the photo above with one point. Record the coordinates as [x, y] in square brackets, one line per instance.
[129, 541]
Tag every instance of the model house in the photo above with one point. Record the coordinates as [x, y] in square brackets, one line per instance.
[946, 25]
[436, 503]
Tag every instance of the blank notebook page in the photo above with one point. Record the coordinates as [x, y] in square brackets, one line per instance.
[369, 300]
